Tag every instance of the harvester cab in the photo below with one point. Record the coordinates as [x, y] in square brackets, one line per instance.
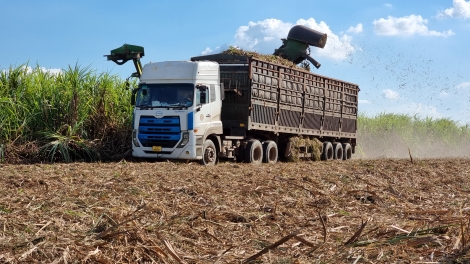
[296, 47]
[128, 52]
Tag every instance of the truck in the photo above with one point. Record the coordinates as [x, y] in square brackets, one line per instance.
[242, 107]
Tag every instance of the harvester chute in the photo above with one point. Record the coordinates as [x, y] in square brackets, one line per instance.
[296, 47]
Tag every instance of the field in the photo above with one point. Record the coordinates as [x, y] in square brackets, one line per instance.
[69, 192]
[80, 115]
[359, 211]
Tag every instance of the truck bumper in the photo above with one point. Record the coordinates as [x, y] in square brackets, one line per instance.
[188, 152]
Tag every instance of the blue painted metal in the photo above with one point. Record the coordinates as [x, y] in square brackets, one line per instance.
[190, 120]
[164, 132]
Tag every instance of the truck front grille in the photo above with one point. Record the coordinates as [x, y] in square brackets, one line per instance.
[164, 132]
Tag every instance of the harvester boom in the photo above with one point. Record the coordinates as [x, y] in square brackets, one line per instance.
[128, 52]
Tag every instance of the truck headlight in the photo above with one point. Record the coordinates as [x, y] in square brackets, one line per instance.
[134, 138]
[184, 140]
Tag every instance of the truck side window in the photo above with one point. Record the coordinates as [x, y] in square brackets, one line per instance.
[201, 95]
[198, 97]
[143, 95]
[212, 93]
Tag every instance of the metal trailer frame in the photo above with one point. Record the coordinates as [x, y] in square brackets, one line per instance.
[271, 100]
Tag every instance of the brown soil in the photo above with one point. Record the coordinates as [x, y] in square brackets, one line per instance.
[359, 211]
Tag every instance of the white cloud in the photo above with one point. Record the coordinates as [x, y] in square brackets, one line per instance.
[389, 94]
[422, 110]
[207, 51]
[356, 29]
[464, 85]
[364, 101]
[388, 5]
[30, 70]
[461, 8]
[443, 94]
[217, 49]
[406, 26]
[259, 35]
[337, 47]
[265, 36]
[51, 70]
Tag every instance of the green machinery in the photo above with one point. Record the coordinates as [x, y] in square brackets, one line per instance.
[128, 52]
[296, 47]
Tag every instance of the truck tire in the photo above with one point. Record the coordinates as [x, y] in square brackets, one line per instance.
[254, 152]
[240, 154]
[338, 151]
[327, 152]
[270, 152]
[347, 151]
[209, 153]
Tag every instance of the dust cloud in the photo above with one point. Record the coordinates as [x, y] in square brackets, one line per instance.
[393, 145]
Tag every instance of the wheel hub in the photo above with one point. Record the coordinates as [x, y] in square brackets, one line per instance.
[209, 154]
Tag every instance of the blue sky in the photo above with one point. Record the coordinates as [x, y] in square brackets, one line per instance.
[408, 57]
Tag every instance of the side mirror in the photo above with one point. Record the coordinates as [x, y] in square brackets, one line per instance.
[201, 87]
[134, 92]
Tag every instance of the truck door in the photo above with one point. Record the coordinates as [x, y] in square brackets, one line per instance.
[202, 115]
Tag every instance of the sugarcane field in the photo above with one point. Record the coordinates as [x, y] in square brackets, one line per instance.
[362, 211]
[247, 132]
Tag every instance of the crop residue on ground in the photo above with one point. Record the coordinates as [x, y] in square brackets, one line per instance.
[359, 211]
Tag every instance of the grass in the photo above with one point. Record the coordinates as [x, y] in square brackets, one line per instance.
[79, 114]
[76, 107]
[398, 135]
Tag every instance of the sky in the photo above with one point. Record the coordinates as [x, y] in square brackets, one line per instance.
[408, 57]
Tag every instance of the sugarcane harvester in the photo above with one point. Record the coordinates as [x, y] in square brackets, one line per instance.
[296, 47]
[239, 106]
[128, 52]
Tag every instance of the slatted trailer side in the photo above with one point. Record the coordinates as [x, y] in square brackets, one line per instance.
[271, 97]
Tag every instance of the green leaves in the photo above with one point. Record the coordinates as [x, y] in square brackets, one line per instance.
[390, 135]
[67, 145]
[36, 105]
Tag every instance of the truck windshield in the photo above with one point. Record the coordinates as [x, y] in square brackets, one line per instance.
[165, 95]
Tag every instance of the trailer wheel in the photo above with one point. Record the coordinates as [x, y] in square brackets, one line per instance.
[254, 152]
[327, 153]
[347, 151]
[270, 152]
[338, 151]
[209, 151]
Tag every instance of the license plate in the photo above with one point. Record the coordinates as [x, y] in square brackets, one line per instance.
[157, 148]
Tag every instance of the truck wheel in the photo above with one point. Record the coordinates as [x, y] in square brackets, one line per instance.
[240, 156]
[338, 151]
[270, 152]
[327, 153]
[254, 152]
[209, 153]
[347, 151]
